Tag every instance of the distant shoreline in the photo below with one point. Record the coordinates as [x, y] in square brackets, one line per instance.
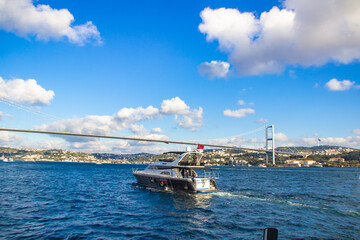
[119, 163]
[324, 156]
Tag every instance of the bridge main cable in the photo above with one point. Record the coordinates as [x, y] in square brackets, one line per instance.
[135, 139]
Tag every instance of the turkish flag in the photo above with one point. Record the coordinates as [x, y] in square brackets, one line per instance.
[200, 146]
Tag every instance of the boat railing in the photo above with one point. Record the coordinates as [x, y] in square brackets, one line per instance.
[207, 174]
[134, 170]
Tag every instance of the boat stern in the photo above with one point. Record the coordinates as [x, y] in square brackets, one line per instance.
[205, 185]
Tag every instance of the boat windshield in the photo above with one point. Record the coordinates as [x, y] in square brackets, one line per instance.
[190, 160]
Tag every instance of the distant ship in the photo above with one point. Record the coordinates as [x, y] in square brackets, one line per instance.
[5, 159]
[172, 175]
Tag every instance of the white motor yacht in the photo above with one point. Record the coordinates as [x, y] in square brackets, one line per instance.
[174, 175]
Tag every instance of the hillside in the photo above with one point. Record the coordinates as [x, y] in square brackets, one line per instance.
[324, 155]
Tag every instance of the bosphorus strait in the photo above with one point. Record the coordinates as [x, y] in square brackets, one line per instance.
[44, 200]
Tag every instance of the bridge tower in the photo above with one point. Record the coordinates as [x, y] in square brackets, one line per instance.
[270, 138]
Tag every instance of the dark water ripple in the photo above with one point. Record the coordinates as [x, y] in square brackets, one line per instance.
[88, 201]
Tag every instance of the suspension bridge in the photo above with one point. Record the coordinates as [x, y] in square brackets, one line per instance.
[268, 149]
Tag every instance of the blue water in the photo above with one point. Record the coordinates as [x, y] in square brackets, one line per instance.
[86, 201]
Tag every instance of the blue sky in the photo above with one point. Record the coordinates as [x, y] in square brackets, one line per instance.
[210, 70]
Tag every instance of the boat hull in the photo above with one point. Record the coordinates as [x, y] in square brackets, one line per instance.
[166, 183]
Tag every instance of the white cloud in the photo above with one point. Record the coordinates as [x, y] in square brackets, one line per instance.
[118, 146]
[10, 139]
[127, 118]
[242, 112]
[241, 102]
[283, 140]
[214, 69]
[91, 146]
[25, 91]
[47, 144]
[148, 136]
[336, 85]
[281, 137]
[125, 147]
[262, 120]
[303, 32]
[174, 106]
[138, 129]
[156, 130]
[184, 116]
[137, 114]
[91, 124]
[102, 125]
[238, 141]
[25, 19]
[356, 131]
[122, 146]
[348, 141]
[192, 120]
[228, 26]
[16, 140]
[5, 115]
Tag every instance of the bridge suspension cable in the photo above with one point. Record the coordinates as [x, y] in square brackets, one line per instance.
[250, 132]
[241, 135]
[136, 139]
[28, 109]
[53, 117]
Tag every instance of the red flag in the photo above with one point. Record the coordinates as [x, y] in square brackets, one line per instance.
[319, 140]
[200, 146]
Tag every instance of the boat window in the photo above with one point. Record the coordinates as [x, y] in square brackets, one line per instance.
[189, 160]
[154, 167]
[165, 172]
[166, 160]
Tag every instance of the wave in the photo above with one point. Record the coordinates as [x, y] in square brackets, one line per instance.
[263, 199]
